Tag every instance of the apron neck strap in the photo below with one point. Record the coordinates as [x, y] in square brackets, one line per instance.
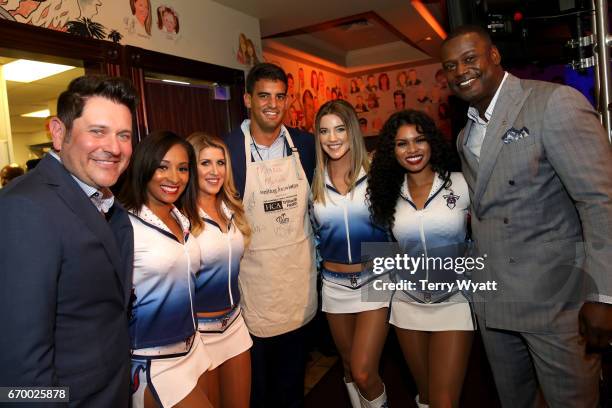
[246, 130]
[289, 140]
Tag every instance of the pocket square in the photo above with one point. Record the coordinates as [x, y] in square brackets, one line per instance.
[512, 135]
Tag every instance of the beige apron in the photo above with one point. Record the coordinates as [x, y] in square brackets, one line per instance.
[277, 273]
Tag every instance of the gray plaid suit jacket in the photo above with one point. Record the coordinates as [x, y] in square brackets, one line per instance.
[541, 208]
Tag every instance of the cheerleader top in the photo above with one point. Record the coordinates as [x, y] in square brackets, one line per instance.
[343, 223]
[434, 235]
[217, 280]
[440, 223]
[164, 281]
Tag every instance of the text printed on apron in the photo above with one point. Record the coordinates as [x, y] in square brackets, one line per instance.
[277, 273]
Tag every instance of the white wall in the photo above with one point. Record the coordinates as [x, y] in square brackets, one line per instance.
[21, 143]
[207, 32]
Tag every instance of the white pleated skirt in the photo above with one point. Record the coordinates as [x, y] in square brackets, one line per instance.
[452, 314]
[338, 297]
[169, 379]
[233, 341]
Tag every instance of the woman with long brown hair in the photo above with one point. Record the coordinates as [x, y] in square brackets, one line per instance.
[342, 222]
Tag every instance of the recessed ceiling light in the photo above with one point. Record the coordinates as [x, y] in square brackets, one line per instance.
[29, 71]
[45, 113]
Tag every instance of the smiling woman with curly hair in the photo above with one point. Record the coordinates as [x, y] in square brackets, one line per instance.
[387, 175]
[424, 205]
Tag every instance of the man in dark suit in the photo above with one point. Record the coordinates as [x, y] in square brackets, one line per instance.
[66, 252]
[538, 163]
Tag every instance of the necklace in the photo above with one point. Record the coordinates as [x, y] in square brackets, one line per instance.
[267, 149]
[257, 149]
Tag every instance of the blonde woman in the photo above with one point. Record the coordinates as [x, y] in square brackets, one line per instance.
[222, 236]
[359, 328]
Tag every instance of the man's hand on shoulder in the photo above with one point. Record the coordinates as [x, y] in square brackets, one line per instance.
[595, 325]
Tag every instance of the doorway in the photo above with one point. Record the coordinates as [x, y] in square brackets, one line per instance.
[186, 105]
[29, 86]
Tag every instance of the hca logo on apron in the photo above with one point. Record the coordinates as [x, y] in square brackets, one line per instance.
[273, 206]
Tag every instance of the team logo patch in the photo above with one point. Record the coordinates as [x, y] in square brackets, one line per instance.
[136, 377]
[451, 200]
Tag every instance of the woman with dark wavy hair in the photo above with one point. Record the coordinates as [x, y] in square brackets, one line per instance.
[424, 205]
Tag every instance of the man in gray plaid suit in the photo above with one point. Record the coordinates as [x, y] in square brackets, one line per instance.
[539, 169]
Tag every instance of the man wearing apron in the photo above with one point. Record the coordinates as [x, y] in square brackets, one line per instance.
[273, 167]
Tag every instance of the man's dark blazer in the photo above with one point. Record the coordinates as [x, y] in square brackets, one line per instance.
[65, 283]
[303, 142]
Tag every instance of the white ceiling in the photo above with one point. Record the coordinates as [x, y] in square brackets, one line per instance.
[357, 48]
[34, 96]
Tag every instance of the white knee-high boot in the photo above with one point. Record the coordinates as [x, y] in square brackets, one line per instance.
[378, 402]
[420, 404]
[353, 394]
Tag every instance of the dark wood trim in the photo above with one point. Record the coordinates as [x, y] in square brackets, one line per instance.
[346, 72]
[322, 26]
[135, 61]
[52, 43]
[105, 57]
[398, 33]
[369, 15]
[292, 57]
[171, 64]
[394, 67]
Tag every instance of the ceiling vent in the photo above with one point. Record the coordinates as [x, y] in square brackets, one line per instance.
[356, 25]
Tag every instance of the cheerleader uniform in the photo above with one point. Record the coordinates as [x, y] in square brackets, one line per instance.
[437, 230]
[166, 355]
[224, 336]
[342, 224]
